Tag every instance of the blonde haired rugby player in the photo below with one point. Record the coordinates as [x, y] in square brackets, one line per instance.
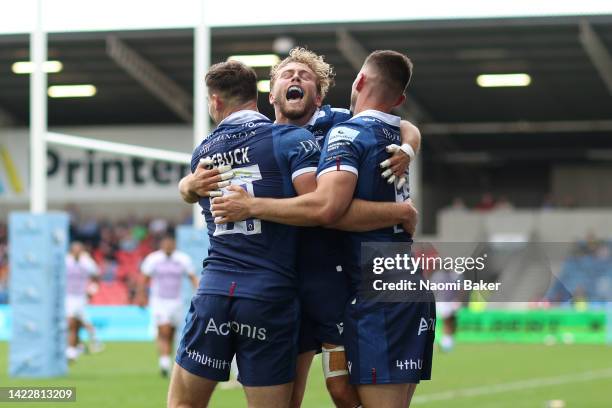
[388, 351]
[299, 84]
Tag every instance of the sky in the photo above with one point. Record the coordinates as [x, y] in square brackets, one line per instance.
[17, 16]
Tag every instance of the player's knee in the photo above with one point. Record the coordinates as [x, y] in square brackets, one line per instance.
[177, 404]
[297, 396]
[336, 376]
[178, 399]
[341, 392]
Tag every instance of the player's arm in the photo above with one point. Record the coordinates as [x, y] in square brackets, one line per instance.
[92, 268]
[142, 289]
[402, 155]
[371, 215]
[322, 206]
[194, 281]
[190, 270]
[141, 297]
[204, 182]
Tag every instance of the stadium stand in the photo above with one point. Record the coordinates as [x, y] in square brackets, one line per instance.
[118, 247]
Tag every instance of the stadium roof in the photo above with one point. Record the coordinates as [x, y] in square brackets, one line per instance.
[95, 15]
[565, 56]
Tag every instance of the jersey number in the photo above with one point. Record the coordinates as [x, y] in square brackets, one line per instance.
[401, 194]
[244, 178]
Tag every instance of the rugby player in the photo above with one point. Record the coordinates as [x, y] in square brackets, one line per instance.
[299, 84]
[80, 270]
[164, 270]
[389, 333]
[246, 303]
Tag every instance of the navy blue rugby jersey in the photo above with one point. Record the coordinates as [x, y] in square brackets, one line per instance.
[321, 247]
[255, 258]
[324, 119]
[358, 145]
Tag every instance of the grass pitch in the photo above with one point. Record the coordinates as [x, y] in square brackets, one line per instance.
[487, 375]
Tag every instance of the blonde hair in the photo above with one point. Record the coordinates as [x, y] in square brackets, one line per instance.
[324, 72]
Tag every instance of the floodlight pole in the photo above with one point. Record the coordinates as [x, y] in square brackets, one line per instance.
[38, 115]
[200, 115]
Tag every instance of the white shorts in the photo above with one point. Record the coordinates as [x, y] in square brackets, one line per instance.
[445, 310]
[75, 307]
[167, 311]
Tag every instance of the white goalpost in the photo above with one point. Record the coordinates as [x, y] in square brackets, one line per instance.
[40, 137]
[39, 240]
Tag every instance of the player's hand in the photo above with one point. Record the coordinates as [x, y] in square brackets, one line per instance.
[396, 165]
[411, 218]
[141, 301]
[207, 182]
[231, 207]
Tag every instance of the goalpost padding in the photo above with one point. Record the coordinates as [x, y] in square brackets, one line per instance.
[194, 242]
[36, 289]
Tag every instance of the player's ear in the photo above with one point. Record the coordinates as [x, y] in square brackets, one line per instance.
[400, 100]
[217, 103]
[360, 81]
[318, 100]
[271, 97]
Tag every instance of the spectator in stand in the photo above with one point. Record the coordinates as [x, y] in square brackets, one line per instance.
[504, 204]
[569, 202]
[487, 202]
[457, 204]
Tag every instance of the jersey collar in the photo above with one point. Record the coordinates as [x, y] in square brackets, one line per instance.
[316, 115]
[385, 117]
[242, 116]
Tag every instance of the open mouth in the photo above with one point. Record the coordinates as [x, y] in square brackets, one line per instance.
[294, 92]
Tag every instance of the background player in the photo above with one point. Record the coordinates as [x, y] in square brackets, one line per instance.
[80, 271]
[388, 332]
[164, 270]
[246, 304]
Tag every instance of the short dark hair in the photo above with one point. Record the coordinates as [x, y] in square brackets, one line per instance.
[233, 80]
[394, 67]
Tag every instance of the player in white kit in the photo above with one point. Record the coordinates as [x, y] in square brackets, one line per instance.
[80, 270]
[164, 270]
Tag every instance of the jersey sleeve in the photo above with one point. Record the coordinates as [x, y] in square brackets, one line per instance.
[148, 265]
[344, 149]
[90, 266]
[301, 150]
[187, 264]
[340, 115]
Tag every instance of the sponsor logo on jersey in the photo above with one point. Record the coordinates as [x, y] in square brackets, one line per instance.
[409, 364]
[216, 363]
[342, 134]
[241, 329]
[309, 146]
[426, 324]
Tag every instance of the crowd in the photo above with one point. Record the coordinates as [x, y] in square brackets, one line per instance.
[586, 274]
[490, 202]
[118, 247]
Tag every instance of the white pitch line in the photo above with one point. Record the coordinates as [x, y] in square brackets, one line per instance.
[513, 386]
